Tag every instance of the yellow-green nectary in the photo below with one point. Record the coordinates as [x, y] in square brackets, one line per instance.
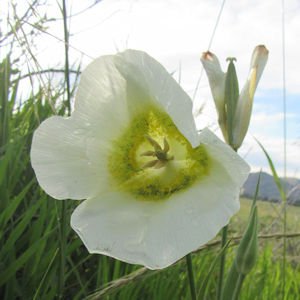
[135, 168]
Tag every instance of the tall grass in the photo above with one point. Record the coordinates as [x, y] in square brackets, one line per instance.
[29, 222]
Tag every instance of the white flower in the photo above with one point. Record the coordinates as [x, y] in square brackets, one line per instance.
[156, 189]
[243, 109]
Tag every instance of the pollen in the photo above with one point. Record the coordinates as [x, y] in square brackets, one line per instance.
[151, 159]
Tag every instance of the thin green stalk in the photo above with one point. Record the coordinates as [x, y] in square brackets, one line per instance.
[284, 147]
[284, 250]
[67, 68]
[238, 287]
[63, 208]
[222, 262]
[223, 255]
[35, 297]
[189, 265]
[62, 249]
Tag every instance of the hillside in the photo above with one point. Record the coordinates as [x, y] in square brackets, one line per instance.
[268, 190]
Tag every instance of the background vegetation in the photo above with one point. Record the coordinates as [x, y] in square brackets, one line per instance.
[30, 231]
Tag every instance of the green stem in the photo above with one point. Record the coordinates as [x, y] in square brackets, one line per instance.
[284, 249]
[223, 255]
[238, 287]
[63, 210]
[62, 249]
[189, 264]
[67, 68]
[222, 262]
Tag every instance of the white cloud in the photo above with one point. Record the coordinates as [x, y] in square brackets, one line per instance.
[263, 118]
[275, 148]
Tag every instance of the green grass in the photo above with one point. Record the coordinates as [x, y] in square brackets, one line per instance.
[270, 216]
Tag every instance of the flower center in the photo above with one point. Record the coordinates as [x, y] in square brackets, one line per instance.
[152, 160]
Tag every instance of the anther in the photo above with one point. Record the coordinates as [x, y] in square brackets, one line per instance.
[153, 142]
[166, 145]
[148, 153]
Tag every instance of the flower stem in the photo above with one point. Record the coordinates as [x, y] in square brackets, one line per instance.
[238, 287]
[223, 254]
[222, 262]
[189, 264]
[62, 250]
[67, 68]
[63, 210]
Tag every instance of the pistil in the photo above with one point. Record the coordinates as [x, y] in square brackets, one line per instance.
[160, 153]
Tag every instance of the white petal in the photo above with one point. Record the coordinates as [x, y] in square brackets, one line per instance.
[234, 165]
[245, 101]
[61, 158]
[69, 156]
[157, 234]
[101, 99]
[114, 224]
[149, 79]
[216, 78]
[112, 88]
[258, 62]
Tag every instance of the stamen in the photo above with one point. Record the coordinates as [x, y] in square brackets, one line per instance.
[160, 164]
[154, 143]
[150, 164]
[166, 146]
[148, 153]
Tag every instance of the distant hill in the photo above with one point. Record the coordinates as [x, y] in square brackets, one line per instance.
[294, 195]
[268, 190]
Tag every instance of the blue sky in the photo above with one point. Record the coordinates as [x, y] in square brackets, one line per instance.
[267, 127]
[177, 32]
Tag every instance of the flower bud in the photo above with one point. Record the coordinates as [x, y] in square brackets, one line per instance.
[234, 109]
[231, 98]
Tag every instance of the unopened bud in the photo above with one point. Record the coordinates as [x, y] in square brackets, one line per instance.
[231, 98]
[234, 109]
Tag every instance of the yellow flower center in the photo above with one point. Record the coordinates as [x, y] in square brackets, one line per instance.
[152, 160]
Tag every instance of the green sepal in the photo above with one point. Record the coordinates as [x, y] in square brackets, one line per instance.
[231, 98]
